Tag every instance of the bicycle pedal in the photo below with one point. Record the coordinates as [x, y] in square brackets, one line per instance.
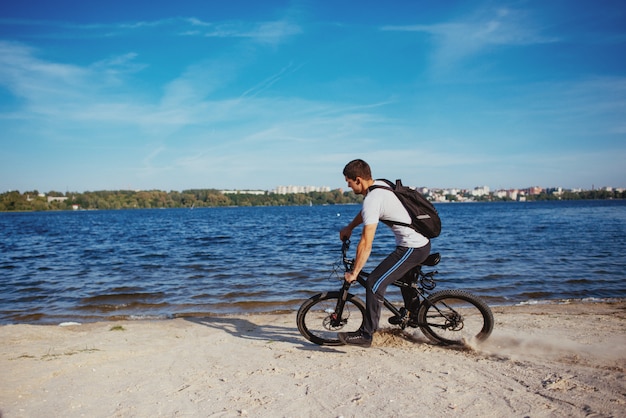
[396, 320]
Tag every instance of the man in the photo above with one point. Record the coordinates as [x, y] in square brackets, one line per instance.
[412, 248]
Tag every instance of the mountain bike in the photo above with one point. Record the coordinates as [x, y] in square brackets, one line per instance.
[448, 317]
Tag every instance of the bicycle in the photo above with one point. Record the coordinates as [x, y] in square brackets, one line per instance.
[448, 317]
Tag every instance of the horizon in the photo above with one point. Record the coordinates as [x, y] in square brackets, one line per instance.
[249, 95]
[543, 188]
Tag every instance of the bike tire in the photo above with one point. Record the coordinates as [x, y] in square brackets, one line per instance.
[455, 317]
[316, 322]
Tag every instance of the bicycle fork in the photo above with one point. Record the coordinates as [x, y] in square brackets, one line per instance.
[337, 316]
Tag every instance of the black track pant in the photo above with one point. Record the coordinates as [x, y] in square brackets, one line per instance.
[392, 268]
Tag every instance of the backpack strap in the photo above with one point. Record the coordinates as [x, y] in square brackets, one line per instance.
[391, 187]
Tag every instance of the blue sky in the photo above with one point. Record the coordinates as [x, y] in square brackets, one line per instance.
[249, 94]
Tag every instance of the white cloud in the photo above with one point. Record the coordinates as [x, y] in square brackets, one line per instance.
[458, 40]
[263, 32]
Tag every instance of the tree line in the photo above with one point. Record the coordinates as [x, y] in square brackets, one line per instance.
[565, 195]
[157, 199]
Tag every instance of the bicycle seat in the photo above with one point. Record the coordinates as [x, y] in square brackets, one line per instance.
[432, 260]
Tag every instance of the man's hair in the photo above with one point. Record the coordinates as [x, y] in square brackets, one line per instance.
[357, 168]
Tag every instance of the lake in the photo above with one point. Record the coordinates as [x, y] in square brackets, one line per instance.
[126, 264]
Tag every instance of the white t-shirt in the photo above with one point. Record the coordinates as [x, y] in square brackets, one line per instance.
[383, 205]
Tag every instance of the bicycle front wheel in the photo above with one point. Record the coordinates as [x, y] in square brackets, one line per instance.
[319, 322]
[455, 317]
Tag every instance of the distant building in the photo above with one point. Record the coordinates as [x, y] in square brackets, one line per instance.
[299, 189]
[255, 192]
[557, 191]
[480, 191]
[501, 194]
[513, 194]
[452, 192]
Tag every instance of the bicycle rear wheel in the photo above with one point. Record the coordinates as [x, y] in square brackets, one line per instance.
[319, 323]
[455, 317]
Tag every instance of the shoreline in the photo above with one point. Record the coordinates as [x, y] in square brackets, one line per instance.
[302, 204]
[541, 360]
[60, 319]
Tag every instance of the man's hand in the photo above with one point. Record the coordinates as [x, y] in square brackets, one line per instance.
[345, 233]
[350, 276]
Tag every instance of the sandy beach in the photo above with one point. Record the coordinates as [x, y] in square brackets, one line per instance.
[541, 361]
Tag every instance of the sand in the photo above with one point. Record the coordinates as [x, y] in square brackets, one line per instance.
[552, 360]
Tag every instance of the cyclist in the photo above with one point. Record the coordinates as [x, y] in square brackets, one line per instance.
[412, 248]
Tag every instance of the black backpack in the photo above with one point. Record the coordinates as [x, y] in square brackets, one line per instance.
[425, 218]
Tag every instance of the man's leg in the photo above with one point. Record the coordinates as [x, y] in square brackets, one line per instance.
[392, 268]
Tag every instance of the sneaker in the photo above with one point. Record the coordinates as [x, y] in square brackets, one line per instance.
[398, 319]
[355, 338]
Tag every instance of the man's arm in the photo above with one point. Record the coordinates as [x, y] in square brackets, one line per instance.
[363, 251]
[346, 232]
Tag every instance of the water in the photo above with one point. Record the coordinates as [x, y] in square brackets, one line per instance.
[94, 265]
